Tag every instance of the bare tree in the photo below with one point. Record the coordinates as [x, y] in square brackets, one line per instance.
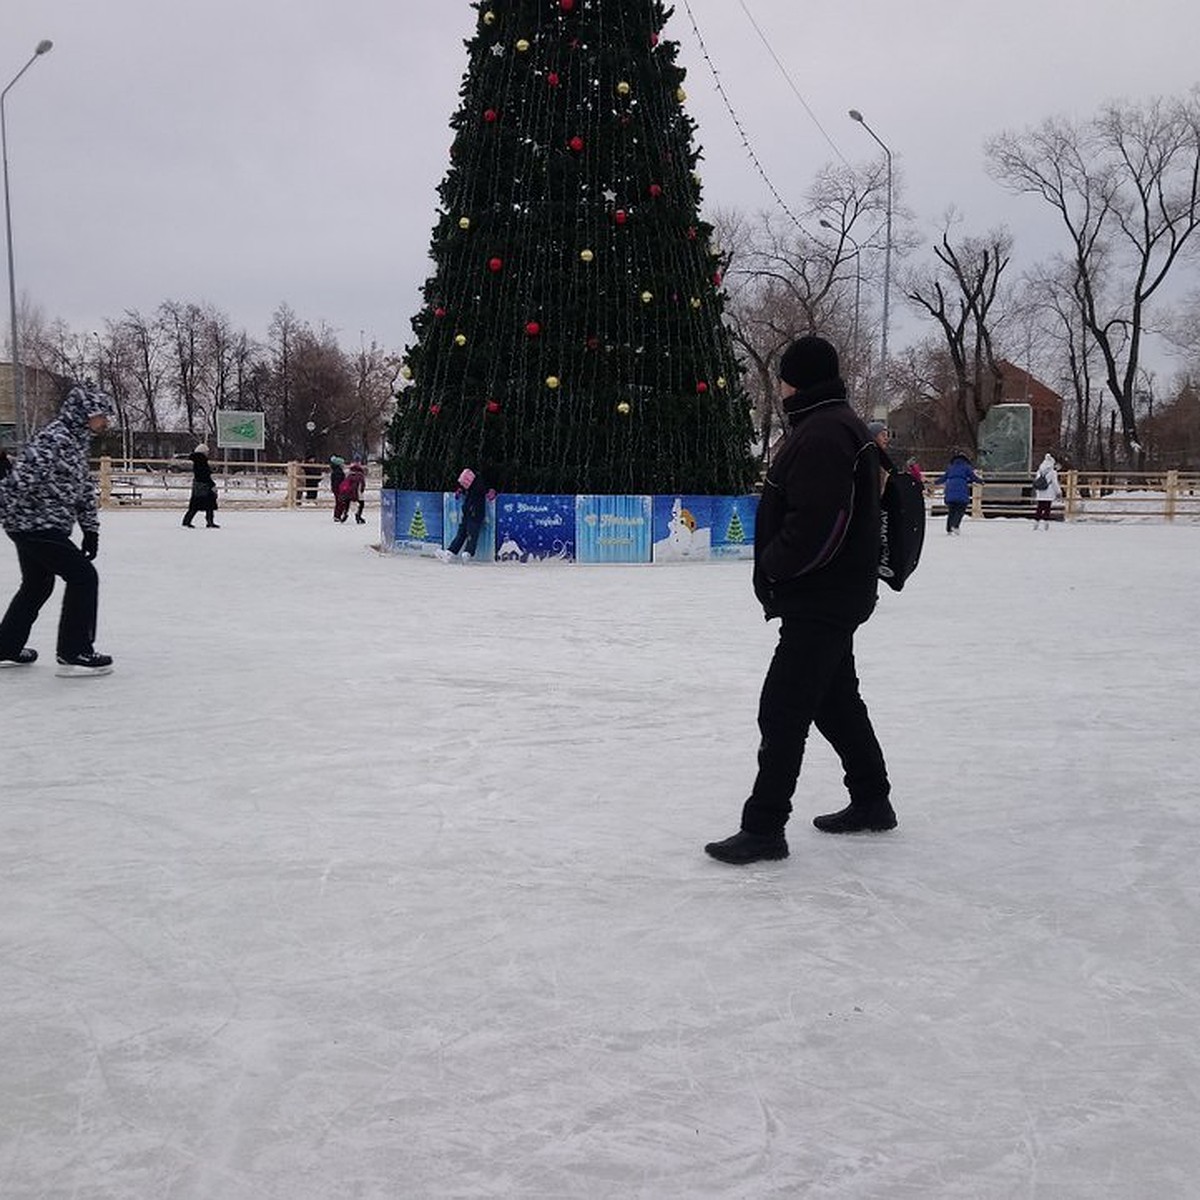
[1127, 187]
[145, 360]
[183, 327]
[960, 295]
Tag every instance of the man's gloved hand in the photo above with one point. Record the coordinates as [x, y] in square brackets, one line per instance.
[91, 543]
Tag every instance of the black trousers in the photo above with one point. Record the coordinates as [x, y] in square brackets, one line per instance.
[468, 535]
[812, 681]
[42, 556]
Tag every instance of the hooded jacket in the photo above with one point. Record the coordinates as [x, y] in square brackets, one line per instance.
[50, 486]
[816, 537]
[1054, 491]
[957, 479]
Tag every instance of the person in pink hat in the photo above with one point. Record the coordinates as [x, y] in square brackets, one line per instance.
[475, 493]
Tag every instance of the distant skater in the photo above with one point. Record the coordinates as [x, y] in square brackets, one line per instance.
[475, 493]
[956, 480]
[337, 476]
[204, 490]
[353, 490]
[1046, 490]
[48, 492]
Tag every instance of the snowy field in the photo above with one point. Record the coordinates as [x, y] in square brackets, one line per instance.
[369, 877]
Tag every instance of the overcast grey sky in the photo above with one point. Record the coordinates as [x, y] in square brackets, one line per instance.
[248, 152]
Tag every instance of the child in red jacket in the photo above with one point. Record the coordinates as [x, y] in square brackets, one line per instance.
[353, 488]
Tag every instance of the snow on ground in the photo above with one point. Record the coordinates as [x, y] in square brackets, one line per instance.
[376, 877]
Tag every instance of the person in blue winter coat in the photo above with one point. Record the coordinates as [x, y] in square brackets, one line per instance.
[956, 480]
[48, 491]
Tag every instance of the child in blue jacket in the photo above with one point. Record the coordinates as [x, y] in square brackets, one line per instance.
[957, 479]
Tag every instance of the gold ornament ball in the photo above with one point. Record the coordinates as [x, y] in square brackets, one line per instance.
[406, 372]
[586, 255]
[695, 302]
[623, 89]
[522, 45]
[722, 382]
[623, 408]
[489, 17]
[464, 222]
[647, 297]
[681, 95]
[460, 339]
[552, 382]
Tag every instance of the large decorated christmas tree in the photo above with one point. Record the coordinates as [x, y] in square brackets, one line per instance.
[571, 338]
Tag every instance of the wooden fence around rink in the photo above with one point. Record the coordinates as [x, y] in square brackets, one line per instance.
[167, 483]
[1087, 496]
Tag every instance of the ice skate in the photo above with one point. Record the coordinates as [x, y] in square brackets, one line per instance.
[79, 666]
[22, 658]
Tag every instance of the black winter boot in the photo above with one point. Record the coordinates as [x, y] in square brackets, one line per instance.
[746, 847]
[858, 819]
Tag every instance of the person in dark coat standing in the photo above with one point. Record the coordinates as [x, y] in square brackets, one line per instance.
[47, 493]
[204, 490]
[816, 559]
[475, 493]
[337, 476]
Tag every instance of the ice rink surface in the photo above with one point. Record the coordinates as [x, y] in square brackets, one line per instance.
[370, 877]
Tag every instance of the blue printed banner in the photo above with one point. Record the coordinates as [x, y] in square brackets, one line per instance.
[387, 518]
[683, 528]
[485, 549]
[535, 528]
[613, 529]
[418, 521]
[733, 526]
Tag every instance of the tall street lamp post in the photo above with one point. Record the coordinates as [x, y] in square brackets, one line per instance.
[855, 115]
[18, 372]
[843, 233]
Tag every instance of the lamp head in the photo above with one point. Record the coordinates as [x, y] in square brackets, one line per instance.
[855, 115]
[43, 46]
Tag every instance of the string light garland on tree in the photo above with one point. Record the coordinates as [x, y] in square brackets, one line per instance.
[580, 182]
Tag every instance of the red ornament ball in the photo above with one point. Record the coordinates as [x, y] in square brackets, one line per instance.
[493, 406]
[566, 5]
[439, 311]
[620, 216]
[490, 115]
[434, 409]
[495, 264]
[691, 233]
[552, 79]
[532, 328]
[654, 39]
[576, 143]
[717, 277]
[701, 388]
[655, 190]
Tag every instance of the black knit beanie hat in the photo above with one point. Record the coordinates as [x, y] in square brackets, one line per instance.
[807, 362]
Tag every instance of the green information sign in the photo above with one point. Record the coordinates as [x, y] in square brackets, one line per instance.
[240, 430]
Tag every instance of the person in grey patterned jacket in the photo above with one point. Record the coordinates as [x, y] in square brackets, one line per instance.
[48, 491]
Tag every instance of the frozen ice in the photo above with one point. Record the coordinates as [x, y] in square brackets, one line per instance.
[364, 878]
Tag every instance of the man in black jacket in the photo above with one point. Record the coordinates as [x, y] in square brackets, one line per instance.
[816, 556]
